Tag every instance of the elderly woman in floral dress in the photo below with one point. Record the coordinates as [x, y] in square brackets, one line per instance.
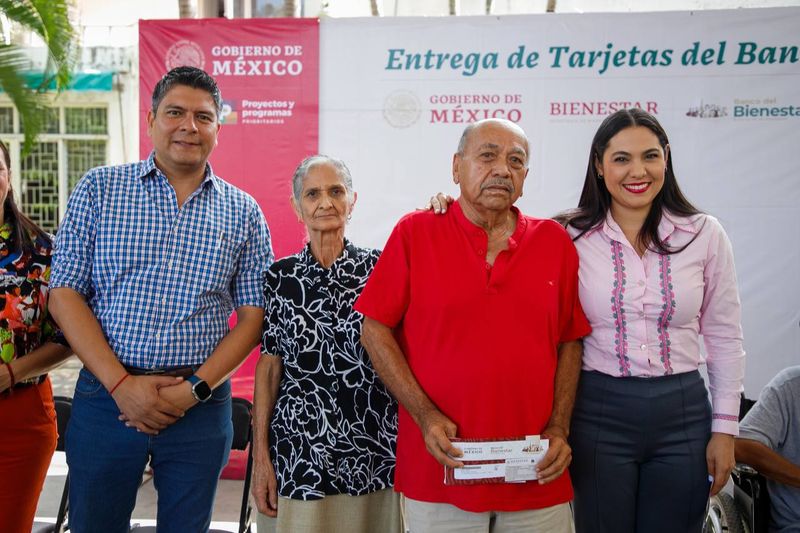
[325, 426]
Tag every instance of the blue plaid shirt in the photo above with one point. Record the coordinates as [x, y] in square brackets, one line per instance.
[161, 281]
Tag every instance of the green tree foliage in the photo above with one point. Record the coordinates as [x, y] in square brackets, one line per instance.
[49, 19]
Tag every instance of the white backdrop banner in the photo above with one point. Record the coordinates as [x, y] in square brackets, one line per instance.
[396, 93]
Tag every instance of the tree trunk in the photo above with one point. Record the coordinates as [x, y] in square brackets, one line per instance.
[185, 10]
[453, 7]
[289, 8]
[373, 5]
[489, 6]
[551, 6]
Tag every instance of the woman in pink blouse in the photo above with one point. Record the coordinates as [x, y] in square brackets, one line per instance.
[655, 274]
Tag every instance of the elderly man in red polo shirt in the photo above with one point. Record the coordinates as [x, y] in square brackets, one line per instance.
[472, 320]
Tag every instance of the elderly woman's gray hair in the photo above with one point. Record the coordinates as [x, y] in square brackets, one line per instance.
[310, 162]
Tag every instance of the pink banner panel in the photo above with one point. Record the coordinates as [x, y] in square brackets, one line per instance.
[268, 73]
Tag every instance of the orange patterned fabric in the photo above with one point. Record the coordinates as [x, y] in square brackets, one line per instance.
[28, 426]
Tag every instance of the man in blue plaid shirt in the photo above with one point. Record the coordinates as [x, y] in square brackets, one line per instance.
[151, 259]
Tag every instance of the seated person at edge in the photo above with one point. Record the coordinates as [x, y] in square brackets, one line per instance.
[769, 441]
[325, 426]
[472, 321]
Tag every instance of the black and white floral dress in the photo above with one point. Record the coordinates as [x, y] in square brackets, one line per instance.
[334, 426]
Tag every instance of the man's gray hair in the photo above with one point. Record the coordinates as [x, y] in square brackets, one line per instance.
[462, 142]
[319, 159]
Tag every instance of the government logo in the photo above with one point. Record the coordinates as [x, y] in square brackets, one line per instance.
[401, 109]
[185, 54]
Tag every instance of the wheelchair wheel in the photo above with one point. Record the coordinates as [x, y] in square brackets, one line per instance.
[723, 516]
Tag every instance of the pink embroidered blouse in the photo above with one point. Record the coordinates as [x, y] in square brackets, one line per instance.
[647, 314]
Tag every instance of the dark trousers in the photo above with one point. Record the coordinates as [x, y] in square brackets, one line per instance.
[638, 448]
[106, 460]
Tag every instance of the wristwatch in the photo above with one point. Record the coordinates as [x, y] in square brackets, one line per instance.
[200, 389]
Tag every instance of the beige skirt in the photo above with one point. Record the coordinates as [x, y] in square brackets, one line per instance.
[375, 512]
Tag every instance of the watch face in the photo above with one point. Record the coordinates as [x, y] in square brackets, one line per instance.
[201, 391]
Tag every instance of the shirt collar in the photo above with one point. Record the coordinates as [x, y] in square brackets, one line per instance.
[311, 262]
[149, 169]
[666, 227]
[612, 229]
[690, 224]
[477, 232]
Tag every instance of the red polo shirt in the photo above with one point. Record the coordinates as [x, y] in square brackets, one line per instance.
[480, 339]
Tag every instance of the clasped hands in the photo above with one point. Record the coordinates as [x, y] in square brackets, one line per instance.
[151, 403]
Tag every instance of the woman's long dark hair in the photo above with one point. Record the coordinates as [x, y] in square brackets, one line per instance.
[24, 230]
[595, 199]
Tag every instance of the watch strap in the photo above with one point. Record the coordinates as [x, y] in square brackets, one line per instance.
[200, 389]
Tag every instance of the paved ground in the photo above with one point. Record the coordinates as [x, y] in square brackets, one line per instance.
[64, 377]
[229, 493]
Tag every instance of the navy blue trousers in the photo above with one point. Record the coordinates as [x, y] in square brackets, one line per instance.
[638, 448]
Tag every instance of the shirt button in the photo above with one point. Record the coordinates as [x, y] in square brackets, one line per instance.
[482, 252]
[641, 314]
[643, 346]
[641, 283]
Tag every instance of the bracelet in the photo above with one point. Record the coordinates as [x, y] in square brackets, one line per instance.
[126, 376]
[10, 375]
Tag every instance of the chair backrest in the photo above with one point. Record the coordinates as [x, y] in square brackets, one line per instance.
[63, 405]
[750, 487]
[242, 421]
[745, 404]
[63, 412]
[242, 437]
[241, 418]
